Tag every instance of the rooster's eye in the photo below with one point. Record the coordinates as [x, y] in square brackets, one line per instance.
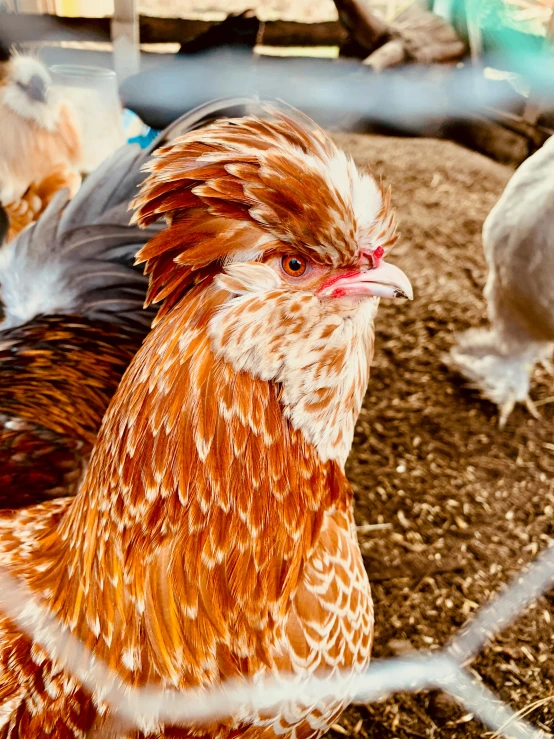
[294, 266]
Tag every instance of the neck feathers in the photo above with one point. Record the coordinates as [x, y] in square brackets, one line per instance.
[319, 358]
[198, 479]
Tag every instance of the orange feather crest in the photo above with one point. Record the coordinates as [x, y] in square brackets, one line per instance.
[250, 185]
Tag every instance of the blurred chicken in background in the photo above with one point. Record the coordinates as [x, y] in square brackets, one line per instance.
[518, 241]
[40, 145]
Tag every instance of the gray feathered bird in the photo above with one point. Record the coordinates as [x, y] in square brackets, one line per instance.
[518, 242]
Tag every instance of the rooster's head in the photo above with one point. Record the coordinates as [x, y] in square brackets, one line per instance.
[269, 215]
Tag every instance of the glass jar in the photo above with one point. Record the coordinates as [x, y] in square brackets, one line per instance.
[93, 93]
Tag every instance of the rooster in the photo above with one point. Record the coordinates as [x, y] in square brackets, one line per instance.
[40, 147]
[212, 536]
[518, 246]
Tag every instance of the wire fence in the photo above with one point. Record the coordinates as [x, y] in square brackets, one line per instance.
[394, 99]
[149, 706]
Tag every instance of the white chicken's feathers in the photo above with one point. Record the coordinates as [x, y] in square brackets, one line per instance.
[78, 258]
[518, 242]
[46, 113]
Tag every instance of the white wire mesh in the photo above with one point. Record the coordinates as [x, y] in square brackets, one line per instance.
[146, 707]
[143, 707]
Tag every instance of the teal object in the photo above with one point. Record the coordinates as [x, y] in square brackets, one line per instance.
[503, 33]
[145, 140]
[136, 131]
[508, 43]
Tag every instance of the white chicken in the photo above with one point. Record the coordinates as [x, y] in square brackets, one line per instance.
[40, 146]
[518, 242]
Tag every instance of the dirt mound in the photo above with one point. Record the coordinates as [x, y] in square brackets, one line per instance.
[465, 505]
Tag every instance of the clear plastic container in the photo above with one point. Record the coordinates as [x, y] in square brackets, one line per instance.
[93, 93]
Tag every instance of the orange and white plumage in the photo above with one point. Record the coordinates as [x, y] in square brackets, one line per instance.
[213, 535]
[40, 145]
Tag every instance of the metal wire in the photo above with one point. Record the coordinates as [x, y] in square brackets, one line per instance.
[147, 707]
[393, 99]
[506, 608]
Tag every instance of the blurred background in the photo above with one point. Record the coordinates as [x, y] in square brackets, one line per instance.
[478, 71]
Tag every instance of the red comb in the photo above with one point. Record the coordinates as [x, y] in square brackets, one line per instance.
[376, 255]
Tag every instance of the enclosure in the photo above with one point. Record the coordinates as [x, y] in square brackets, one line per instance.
[442, 101]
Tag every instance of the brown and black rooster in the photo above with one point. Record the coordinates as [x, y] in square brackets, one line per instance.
[71, 319]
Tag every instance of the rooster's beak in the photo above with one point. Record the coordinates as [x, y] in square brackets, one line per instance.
[36, 89]
[383, 281]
